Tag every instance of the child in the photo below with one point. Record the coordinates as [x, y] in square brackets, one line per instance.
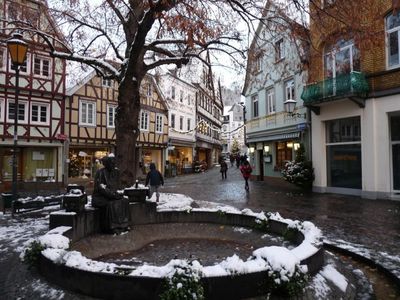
[155, 179]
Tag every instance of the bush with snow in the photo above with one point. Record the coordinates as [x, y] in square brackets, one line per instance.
[31, 254]
[183, 284]
[300, 171]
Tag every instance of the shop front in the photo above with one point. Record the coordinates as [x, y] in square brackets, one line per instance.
[269, 154]
[85, 161]
[147, 156]
[180, 160]
[35, 165]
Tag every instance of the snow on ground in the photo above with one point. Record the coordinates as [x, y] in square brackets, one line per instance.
[331, 274]
[320, 287]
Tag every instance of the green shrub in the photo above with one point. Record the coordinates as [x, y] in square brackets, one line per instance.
[292, 287]
[32, 254]
[262, 225]
[183, 285]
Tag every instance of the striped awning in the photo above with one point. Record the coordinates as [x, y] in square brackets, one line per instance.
[275, 137]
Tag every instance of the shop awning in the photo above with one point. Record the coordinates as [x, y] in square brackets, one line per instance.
[276, 137]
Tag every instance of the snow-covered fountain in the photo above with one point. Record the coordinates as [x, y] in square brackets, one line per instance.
[239, 254]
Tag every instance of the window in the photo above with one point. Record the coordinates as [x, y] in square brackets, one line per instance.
[254, 101]
[341, 58]
[393, 39]
[172, 121]
[2, 58]
[1, 110]
[149, 91]
[279, 51]
[24, 69]
[181, 123]
[106, 82]
[22, 111]
[271, 101]
[41, 66]
[189, 124]
[39, 113]
[111, 112]
[189, 97]
[144, 120]
[87, 113]
[258, 63]
[343, 143]
[159, 123]
[173, 92]
[181, 96]
[289, 90]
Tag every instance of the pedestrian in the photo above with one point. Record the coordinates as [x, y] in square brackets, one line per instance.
[246, 170]
[155, 179]
[237, 161]
[224, 168]
[232, 159]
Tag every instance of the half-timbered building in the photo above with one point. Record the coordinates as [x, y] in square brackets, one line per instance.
[90, 114]
[41, 101]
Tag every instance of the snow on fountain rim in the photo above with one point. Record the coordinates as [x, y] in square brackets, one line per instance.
[273, 258]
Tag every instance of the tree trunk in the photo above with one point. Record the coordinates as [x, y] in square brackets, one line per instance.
[127, 129]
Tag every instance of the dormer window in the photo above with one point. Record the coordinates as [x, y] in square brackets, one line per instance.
[106, 82]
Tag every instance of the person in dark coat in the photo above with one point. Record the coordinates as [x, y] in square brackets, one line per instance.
[155, 178]
[232, 159]
[224, 168]
[114, 208]
[237, 160]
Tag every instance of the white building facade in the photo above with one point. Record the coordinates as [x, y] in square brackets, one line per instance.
[233, 128]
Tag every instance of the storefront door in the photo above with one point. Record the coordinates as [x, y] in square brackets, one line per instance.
[395, 141]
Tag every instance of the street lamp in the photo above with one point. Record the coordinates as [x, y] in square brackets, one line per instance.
[17, 49]
[290, 106]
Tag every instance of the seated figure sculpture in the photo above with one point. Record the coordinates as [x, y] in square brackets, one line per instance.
[114, 209]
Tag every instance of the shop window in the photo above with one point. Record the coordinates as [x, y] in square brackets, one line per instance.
[40, 113]
[111, 112]
[393, 39]
[395, 141]
[41, 66]
[22, 112]
[87, 113]
[343, 142]
[159, 123]
[144, 120]
[283, 154]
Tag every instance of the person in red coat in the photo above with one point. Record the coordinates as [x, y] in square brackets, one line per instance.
[246, 170]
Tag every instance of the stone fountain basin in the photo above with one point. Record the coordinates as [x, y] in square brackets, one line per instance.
[150, 226]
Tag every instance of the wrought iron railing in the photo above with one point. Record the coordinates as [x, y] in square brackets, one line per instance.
[352, 84]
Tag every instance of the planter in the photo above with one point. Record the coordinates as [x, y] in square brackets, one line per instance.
[136, 195]
[74, 203]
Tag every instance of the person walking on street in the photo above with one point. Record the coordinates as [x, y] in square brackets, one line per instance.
[237, 161]
[246, 170]
[224, 168]
[155, 179]
[232, 159]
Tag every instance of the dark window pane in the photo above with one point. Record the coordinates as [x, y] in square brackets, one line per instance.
[393, 48]
[43, 114]
[46, 67]
[35, 113]
[396, 166]
[36, 67]
[344, 166]
[343, 130]
[395, 128]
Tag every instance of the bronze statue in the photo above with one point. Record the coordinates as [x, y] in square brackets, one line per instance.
[114, 209]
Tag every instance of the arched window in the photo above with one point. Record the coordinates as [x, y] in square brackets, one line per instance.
[341, 58]
[393, 39]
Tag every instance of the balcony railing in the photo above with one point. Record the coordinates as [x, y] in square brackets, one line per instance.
[353, 84]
